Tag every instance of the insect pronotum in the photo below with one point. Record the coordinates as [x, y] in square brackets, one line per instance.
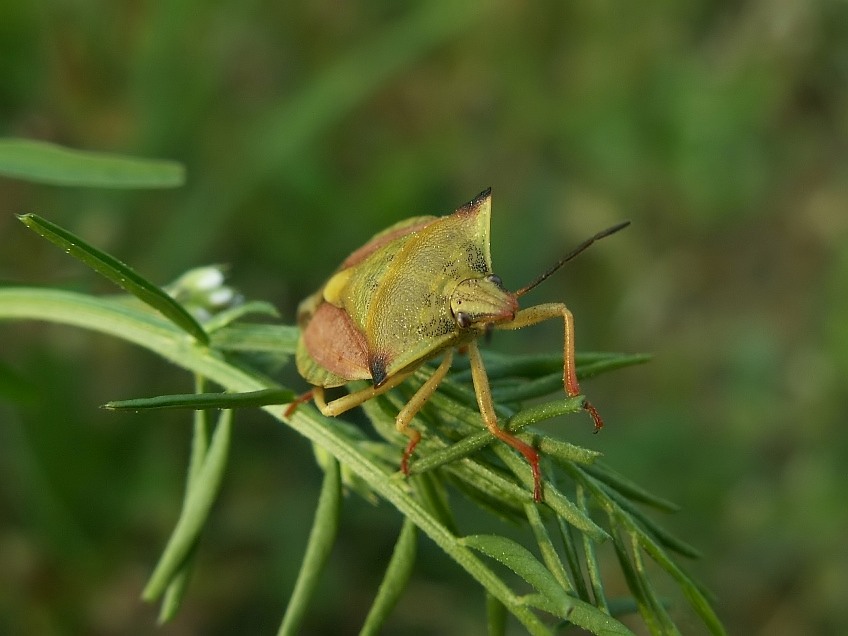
[421, 288]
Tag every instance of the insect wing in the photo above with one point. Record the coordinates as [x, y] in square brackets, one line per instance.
[331, 350]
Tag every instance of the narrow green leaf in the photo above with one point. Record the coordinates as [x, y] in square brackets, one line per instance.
[155, 334]
[521, 561]
[659, 533]
[571, 559]
[198, 503]
[552, 597]
[563, 451]
[629, 489]
[496, 616]
[541, 412]
[196, 401]
[500, 365]
[44, 162]
[594, 620]
[634, 584]
[667, 625]
[318, 548]
[174, 594]
[433, 495]
[199, 448]
[490, 489]
[554, 499]
[117, 272]
[591, 558]
[618, 361]
[519, 391]
[690, 589]
[251, 337]
[395, 580]
[231, 314]
[546, 548]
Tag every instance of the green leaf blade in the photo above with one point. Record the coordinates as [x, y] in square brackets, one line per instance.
[395, 580]
[198, 503]
[321, 540]
[521, 561]
[43, 162]
[197, 401]
[114, 270]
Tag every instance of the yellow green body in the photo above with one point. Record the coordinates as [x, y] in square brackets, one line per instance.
[420, 288]
[389, 306]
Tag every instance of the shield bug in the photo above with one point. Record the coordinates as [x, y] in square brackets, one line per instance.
[421, 288]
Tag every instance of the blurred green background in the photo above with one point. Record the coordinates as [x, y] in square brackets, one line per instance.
[719, 128]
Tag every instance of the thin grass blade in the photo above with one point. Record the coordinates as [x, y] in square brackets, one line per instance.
[521, 561]
[546, 548]
[173, 597]
[318, 548]
[394, 582]
[44, 162]
[251, 337]
[197, 401]
[119, 273]
[198, 503]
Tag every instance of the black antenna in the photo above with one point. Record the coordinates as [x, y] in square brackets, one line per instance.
[585, 244]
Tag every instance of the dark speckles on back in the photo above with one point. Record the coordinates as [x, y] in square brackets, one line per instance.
[435, 327]
[450, 269]
[476, 258]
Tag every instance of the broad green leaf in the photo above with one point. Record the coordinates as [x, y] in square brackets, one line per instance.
[117, 272]
[43, 162]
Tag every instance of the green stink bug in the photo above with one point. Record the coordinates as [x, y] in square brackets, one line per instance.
[421, 288]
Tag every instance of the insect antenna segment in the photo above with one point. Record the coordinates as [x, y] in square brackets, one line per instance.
[577, 250]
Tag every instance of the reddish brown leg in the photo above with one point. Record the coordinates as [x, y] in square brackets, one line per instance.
[487, 410]
[300, 399]
[414, 405]
[547, 311]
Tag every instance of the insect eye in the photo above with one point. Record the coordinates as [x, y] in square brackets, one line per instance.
[463, 319]
[494, 278]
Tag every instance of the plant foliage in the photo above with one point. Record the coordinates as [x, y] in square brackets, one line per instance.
[550, 582]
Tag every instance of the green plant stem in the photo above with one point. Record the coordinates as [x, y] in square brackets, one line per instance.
[318, 549]
[142, 328]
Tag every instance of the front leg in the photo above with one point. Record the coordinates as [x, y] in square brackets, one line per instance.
[547, 311]
[490, 418]
[351, 400]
